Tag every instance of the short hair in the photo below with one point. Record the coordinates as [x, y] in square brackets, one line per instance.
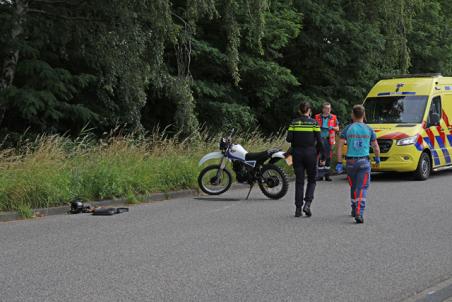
[326, 104]
[304, 107]
[359, 111]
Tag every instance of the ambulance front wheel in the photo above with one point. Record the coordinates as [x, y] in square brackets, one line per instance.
[424, 167]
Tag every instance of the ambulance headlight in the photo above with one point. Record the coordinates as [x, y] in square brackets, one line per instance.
[407, 141]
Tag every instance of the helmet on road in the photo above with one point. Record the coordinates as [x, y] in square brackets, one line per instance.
[76, 207]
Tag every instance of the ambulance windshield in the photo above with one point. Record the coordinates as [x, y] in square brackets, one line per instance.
[395, 109]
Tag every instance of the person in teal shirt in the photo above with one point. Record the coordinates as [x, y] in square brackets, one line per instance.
[359, 137]
[329, 125]
[325, 128]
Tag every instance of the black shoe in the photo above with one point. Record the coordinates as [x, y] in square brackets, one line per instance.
[307, 210]
[327, 178]
[298, 212]
[319, 179]
[359, 219]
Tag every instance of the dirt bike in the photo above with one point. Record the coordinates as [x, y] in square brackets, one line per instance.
[249, 168]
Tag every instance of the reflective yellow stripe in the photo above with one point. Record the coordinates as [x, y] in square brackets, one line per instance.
[303, 125]
[304, 129]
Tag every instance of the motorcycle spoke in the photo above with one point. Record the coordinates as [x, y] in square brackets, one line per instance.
[215, 181]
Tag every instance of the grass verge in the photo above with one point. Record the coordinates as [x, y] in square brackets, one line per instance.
[54, 170]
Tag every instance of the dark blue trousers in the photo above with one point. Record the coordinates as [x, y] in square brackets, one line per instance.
[358, 174]
[305, 162]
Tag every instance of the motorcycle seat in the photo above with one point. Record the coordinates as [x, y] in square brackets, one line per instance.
[258, 156]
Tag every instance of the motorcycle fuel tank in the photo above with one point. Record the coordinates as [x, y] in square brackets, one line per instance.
[238, 152]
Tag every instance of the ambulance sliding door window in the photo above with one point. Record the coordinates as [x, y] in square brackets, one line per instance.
[434, 116]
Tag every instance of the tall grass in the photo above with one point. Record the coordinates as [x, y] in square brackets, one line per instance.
[53, 170]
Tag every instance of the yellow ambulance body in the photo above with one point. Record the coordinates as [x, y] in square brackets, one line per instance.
[412, 117]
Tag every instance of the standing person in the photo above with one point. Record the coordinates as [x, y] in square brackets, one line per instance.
[329, 125]
[359, 137]
[304, 136]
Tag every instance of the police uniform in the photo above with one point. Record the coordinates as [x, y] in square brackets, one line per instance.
[359, 137]
[304, 136]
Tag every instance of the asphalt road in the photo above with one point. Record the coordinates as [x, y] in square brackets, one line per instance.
[228, 249]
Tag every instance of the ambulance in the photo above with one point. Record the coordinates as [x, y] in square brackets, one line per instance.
[412, 117]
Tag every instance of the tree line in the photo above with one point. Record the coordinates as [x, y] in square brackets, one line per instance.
[66, 64]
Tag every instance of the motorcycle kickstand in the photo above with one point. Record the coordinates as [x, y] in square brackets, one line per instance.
[249, 192]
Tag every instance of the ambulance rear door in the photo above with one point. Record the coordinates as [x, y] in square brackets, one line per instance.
[436, 133]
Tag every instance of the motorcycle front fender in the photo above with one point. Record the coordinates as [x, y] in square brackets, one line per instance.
[210, 156]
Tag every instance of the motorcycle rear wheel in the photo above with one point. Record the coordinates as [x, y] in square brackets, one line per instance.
[274, 182]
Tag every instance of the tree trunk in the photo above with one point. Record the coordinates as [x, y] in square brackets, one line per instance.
[185, 117]
[10, 61]
[186, 122]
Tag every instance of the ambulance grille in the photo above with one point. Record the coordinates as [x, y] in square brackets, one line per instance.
[385, 145]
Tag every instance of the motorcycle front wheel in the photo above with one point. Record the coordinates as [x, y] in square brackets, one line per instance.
[274, 182]
[214, 181]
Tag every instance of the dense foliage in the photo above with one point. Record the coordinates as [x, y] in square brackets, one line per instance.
[66, 64]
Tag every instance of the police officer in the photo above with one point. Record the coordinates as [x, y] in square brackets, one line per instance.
[359, 137]
[304, 136]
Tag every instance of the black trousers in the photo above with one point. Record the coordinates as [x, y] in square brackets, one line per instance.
[325, 170]
[305, 162]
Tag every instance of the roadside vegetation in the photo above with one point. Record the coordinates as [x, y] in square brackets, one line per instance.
[54, 170]
[240, 63]
[182, 64]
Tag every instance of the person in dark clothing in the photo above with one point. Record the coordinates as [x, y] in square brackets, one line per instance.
[304, 136]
